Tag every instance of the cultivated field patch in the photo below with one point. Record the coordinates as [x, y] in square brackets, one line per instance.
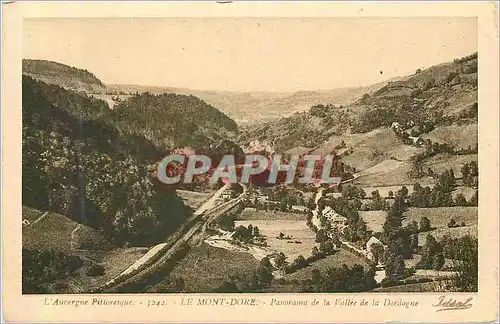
[193, 199]
[440, 216]
[456, 232]
[391, 176]
[446, 161]
[334, 261]
[460, 136]
[206, 267]
[301, 241]
[374, 219]
[53, 232]
[251, 214]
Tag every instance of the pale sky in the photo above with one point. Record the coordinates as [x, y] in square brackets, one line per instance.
[250, 54]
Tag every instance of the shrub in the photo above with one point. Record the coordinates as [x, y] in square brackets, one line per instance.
[96, 270]
[388, 282]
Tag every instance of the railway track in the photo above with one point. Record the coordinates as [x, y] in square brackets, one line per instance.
[159, 256]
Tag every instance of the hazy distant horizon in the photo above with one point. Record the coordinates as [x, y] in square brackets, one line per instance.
[259, 55]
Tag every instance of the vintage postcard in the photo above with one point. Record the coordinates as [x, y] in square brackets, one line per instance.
[262, 162]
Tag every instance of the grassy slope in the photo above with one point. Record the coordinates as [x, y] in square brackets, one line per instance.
[63, 75]
[336, 260]
[206, 267]
[54, 231]
[445, 161]
[460, 136]
[250, 214]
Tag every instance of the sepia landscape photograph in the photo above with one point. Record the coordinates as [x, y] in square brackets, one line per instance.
[387, 106]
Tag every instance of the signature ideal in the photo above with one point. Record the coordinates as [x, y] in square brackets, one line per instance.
[449, 303]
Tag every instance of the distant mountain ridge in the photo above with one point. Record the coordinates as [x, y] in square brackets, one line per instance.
[63, 75]
[243, 107]
[439, 95]
[249, 107]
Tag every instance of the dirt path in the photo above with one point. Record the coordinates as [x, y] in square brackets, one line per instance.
[39, 219]
[72, 242]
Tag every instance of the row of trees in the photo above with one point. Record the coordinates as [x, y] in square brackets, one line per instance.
[340, 279]
[440, 195]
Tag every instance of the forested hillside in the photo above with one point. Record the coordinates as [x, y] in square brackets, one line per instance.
[441, 95]
[66, 76]
[76, 163]
[172, 120]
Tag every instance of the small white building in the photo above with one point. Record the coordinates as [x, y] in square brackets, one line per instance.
[301, 209]
[262, 198]
[226, 195]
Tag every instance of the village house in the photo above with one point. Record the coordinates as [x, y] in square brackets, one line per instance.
[226, 195]
[262, 198]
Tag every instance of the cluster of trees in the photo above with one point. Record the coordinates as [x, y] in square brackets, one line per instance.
[465, 58]
[452, 223]
[466, 150]
[432, 254]
[414, 131]
[42, 268]
[341, 279]
[227, 221]
[432, 149]
[470, 174]
[284, 193]
[374, 118]
[49, 68]
[325, 248]
[258, 281]
[320, 110]
[463, 252]
[401, 241]
[352, 191]
[327, 244]
[441, 194]
[191, 121]
[378, 203]
[246, 233]
[282, 206]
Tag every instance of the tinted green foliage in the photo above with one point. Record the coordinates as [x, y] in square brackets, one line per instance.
[44, 267]
[49, 68]
[342, 279]
[171, 120]
[77, 163]
[432, 254]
